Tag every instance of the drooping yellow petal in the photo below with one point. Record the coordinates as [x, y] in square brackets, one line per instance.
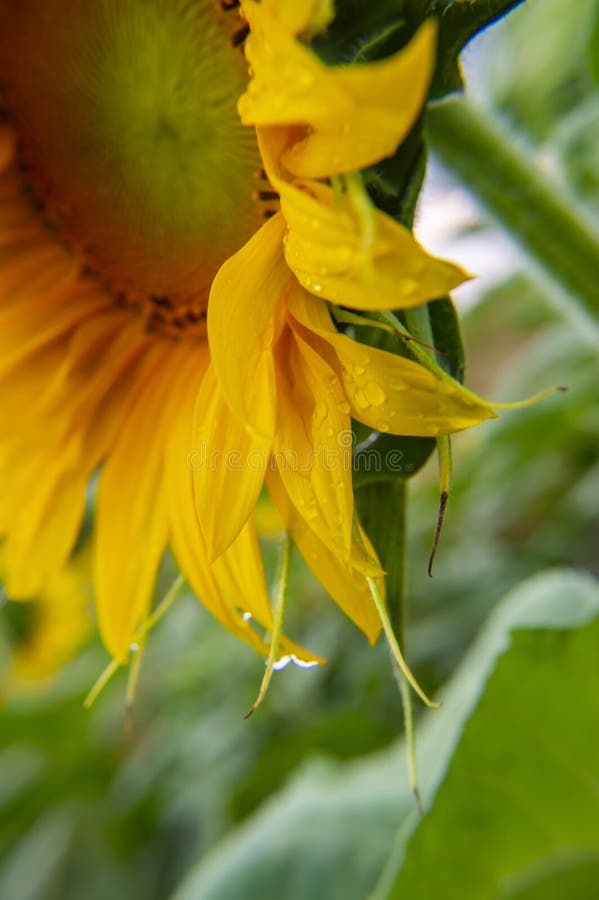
[44, 531]
[243, 299]
[228, 468]
[353, 115]
[67, 424]
[186, 537]
[388, 392]
[131, 519]
[310, 452]
[239, 579]
[359, 259]
[349, 589]
[234, 584]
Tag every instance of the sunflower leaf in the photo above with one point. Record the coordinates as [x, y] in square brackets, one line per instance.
[299, 842]
[460, 21]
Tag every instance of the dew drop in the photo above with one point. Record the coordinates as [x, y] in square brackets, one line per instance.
[284, 661]
[375, 393]
[319, 414]
[361, 399]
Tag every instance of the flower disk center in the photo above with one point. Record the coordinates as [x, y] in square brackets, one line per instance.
[129, 138]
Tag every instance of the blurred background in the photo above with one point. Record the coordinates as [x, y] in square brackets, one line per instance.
[88, 810]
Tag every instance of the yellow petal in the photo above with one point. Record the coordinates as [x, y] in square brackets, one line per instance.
[239, 576]
[349, 589]
[19, 339]
[234, 584]
[354, 115]
[48, 461]
[388, 392]
[131, 519]
[228, 468]
[243, 300]
[311, 452]
[360, 261]
[43, 533]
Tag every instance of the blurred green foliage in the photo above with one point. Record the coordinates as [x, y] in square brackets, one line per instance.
[85, 812]
[329, 833]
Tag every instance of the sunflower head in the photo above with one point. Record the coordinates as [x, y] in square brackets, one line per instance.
[129, 139]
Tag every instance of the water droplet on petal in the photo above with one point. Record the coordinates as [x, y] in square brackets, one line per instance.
[311, 512]
[361, 399]
[319, 414]
[375, 393]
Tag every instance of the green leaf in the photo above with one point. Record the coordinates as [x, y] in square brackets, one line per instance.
[594, 48]
[329, 832]
[520, 804]
[363, 31]
[459, 22]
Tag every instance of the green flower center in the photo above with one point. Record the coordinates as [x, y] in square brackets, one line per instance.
[129, 137]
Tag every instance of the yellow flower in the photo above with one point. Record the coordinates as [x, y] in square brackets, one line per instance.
[286, 382]
[128, 183]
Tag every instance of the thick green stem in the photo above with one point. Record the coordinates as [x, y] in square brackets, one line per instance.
[506, 178]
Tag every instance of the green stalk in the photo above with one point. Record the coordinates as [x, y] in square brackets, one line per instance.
[506, 178]
[389, 539]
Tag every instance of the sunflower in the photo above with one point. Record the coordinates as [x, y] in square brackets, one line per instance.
[142, 216]
[285, 382]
